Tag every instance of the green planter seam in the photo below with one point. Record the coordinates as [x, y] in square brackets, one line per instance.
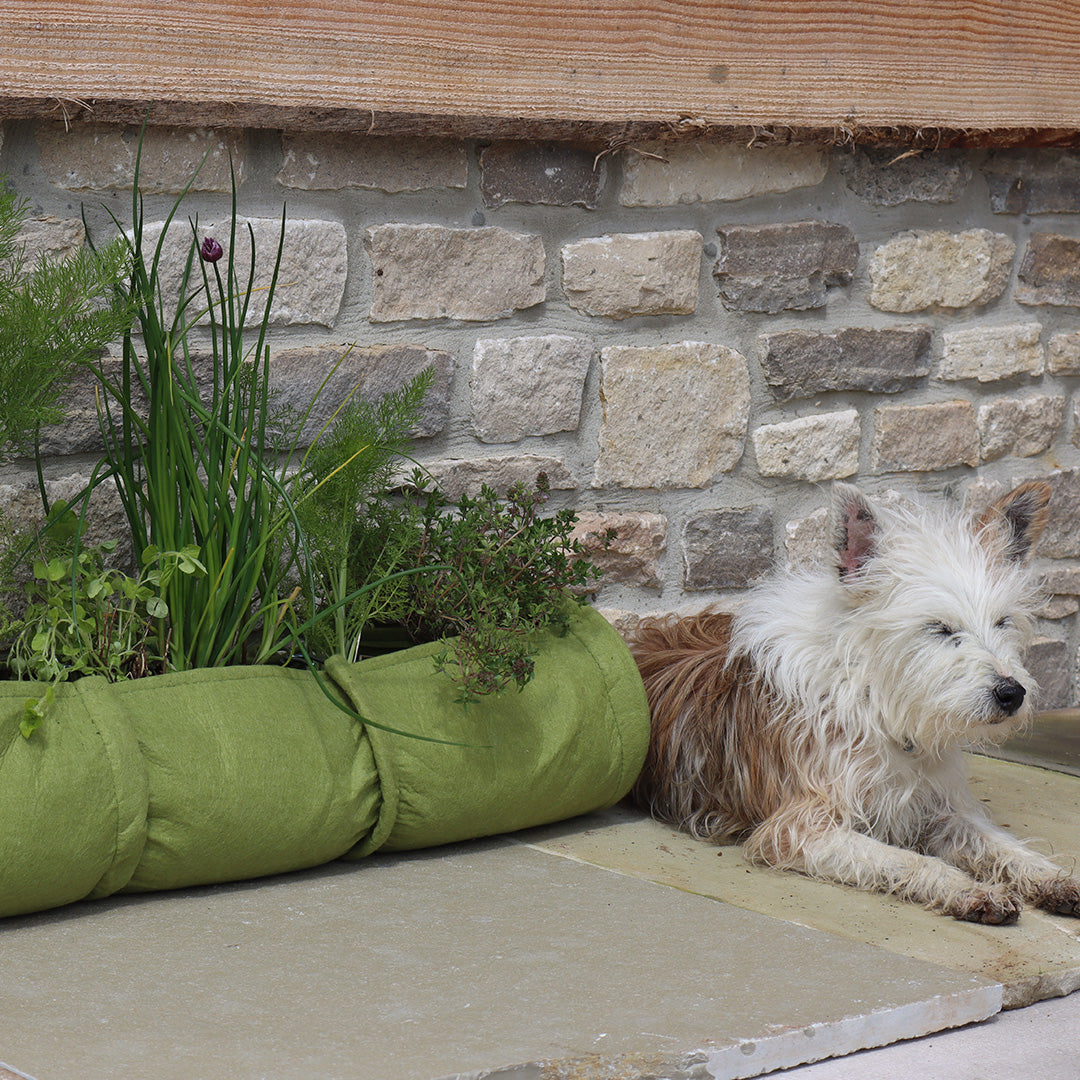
[233, 773]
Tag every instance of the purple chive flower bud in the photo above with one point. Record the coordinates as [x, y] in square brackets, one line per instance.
[210, 250]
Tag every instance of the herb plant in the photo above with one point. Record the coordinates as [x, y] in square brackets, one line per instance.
[498, 572]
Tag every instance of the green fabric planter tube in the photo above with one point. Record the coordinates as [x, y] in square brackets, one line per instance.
[233, 773]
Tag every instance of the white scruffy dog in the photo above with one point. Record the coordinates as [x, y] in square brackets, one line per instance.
[824, 722]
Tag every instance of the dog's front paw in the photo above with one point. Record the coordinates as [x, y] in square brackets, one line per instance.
[989, 904]
[1061, 896]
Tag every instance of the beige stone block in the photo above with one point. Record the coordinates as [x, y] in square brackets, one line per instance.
[434, 272]
[633, 556]
[311, 280]
[528, 385]
[702, 171]
[1063, 353]
[674, 416]
[924, 438]
[921, 269]
[989, 353]
[465, 476]
[625, 274]
[331, 161]
[1019, 427]
[814, 448]
[91, 157]
[54, 237]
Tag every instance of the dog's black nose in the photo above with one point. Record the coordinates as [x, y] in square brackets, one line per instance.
[1009, 694]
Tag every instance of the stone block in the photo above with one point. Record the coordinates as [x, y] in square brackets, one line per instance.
[701, 171]
[549, 174]
[1060, 580]
[728, 548]
[528, 385]
[1050, 661]
[924, 438]
[311, 279]
[814, 448]
[1061, 537]
[991, 353]
[1019, 427]
[433, 272]
[674, 416]
[335, 161]
[20, 504]
[54, 237]
[1063, 353]
[371, 373]
[918, 270]
[807, 542]
[800, 363]
[465, 476]
[770, 268]
[626, 274]
[1076, 422]
[890, 177]
[1033, 181]
[1050, 271]
[634, 556]
[97, 157]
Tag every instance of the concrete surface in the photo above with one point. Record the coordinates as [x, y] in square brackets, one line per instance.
[605, 947]
[1037, 958]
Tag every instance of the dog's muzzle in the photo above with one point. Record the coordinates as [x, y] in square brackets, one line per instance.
[1009, 695]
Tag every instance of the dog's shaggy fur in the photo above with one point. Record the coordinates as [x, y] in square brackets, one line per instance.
[824, 723]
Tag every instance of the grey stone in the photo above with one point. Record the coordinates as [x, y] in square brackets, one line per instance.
[633, 556]
[1019, 427]
[330, 161]
[465, 476]
[674, 416]
[991, 353]
[923, 269]
[924, 438]
[528, 385]
[551, 174]
[891, 177]
[1050, 661]
[311, 277]
[91, 157]
[769, 268]
[799, 363]
[432, 272]
[296, 376]
[626, 274]
[1033, 181]
[1050, 271]
[728, 548]
[814, 448]
[702, 171]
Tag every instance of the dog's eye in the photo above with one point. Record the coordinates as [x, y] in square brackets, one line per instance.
[942, 630]
[1004, 622]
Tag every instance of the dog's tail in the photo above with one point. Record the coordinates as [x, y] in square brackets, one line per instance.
[694, 694]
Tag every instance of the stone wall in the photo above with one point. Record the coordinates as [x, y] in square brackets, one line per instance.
[691, 340]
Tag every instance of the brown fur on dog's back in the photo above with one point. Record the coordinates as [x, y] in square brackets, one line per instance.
[712, 761]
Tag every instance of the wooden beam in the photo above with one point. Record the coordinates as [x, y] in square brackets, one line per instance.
[995, 71]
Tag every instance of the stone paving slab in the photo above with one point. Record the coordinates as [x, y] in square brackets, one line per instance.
[1037, 958]
[487, 960]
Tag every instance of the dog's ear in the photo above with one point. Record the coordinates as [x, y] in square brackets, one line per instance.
[855, 529]
[1017, 519]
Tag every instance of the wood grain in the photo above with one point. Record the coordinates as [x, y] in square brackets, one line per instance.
[604, 68]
